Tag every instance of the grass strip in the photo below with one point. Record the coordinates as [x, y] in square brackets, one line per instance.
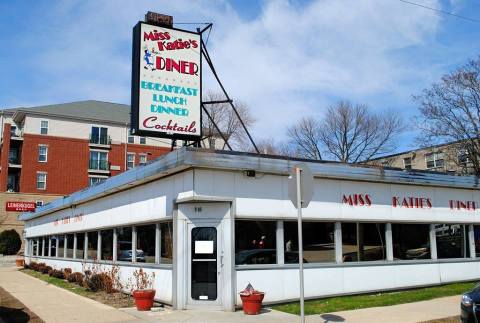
[345, 303]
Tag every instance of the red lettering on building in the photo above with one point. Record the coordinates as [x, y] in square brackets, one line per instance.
[357, 199]
[462, 205]
[411, 202]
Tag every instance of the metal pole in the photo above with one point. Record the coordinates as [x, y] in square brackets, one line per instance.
[300, 243]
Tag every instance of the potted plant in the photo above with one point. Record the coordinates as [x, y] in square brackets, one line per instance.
[251, 300]
[141, 287]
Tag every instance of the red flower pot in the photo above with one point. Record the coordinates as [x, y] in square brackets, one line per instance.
[252, 303]
[144, 299]
[20, 262]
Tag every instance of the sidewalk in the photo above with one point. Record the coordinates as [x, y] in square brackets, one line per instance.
[53, 304]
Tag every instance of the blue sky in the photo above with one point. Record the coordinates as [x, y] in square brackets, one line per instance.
[285, 59]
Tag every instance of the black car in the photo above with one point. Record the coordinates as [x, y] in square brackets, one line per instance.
[471, 304]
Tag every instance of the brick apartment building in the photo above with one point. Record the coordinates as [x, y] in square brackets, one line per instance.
[54, 150]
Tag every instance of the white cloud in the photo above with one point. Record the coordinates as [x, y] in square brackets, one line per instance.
[292, 60]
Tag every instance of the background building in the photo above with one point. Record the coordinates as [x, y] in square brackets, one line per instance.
[54, 150]
[447, 158]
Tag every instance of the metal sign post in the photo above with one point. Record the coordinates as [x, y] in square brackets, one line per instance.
[300, 190]
[298, 172]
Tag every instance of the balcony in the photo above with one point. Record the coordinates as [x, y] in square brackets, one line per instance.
[98, 166]
[14, 161]
[16, 134]
[100, 140]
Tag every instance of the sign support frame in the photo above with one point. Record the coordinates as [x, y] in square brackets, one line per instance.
[298, 172]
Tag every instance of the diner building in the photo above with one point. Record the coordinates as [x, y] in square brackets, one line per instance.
[210, 222]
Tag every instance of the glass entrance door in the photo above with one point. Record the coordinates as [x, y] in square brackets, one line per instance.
[204, 264]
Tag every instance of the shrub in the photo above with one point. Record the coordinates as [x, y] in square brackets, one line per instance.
[41, 266]
[100, 281]
[10, 242]
[75, 277]
[67, 272]
[46, 269]
[33, 265]
[58, 274]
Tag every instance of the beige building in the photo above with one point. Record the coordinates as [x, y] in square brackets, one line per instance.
[448, 158]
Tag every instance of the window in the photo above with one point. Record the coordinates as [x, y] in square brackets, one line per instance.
[318, 242]
[407, 163]
[98, 160]
[53, 246]
[13, 131]
[476, 234]
[42, 153]
[131, 138]
[69, 245]
[124, 244]
[96, 180]
[434, 160]
[38, 203]
[107, 244]
[45, 246]
[411, 241]
[166, 243]
[99, 136]
[146, 243]
[462, 156]
[255, 242]
[363, 241]
[143, 140]
[41, 181]
[92, 245]
[142, 160]
[61, 246]
[452, 241]
[130, 160]
[80, 245]
[34, 247]
[44, 127]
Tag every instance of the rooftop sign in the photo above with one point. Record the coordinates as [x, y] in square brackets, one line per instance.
[166, 82]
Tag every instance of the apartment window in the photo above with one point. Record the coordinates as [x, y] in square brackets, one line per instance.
[166, 243]
[39, 203]
[255, 242]
[98, 160]
[96, 180]
[407, 163]
[41, 181]
[363, 241]
[462, 156]
[142, 159]
[146, 243]
[318, 242]
[13, 131]
[434, 160]
[452, 241]
[130, 160]
[42, 153]
[131, 138]
[143, 140]
[411, 241]
[99, 135]
[124, 244]
[44, 127]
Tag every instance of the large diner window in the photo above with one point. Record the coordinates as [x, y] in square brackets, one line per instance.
[53, 246]
[61, 245]
[92, 245]
[79, 254]
[255, 242]
[166, 243]
[452, 241]
[363, 242]
[411, 241]
[124, 244]
[34, 247]
[45, 246]
[146, 243]
[107, 244]
[318, 242]
[69, 245]
[476, 234]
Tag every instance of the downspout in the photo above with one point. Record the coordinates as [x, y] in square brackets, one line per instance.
[126, 143]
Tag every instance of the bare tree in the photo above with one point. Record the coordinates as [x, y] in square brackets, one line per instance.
[450, 112]
[348, 133]
[227, 121]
